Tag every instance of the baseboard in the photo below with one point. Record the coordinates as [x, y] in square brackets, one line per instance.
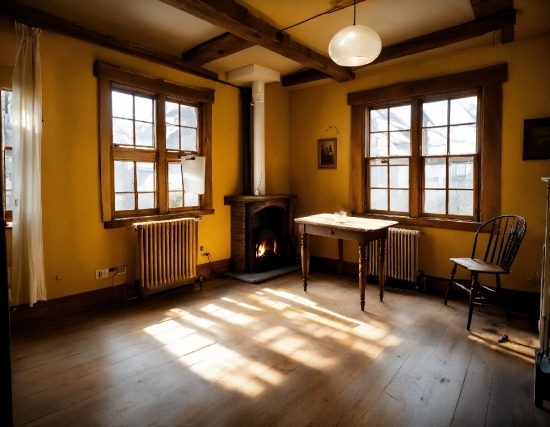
[23, 313]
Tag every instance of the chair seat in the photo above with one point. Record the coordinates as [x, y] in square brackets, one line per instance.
[479, 266]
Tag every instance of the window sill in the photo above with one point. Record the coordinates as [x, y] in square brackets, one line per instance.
[127, 222]
[448, 224]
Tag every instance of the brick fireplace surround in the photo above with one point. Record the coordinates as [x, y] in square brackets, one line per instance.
[249, 214]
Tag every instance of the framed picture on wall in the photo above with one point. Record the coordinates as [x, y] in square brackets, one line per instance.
[327, 153]
[536, 139]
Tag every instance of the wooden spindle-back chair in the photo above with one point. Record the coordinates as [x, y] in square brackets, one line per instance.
[503, 235]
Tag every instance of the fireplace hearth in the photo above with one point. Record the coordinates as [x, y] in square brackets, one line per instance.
[261, 232]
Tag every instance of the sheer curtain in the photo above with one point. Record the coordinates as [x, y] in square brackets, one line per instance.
[28, 281]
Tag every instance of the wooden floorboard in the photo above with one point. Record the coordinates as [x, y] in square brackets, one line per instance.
[239, 354]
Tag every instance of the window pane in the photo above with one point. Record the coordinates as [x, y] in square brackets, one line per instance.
[188, 116]
[400, 143]
[172, 137]
[188, 139]
[399, 177]
[145, 176]
[379, 200]
[379, 177]
[7, 127]
[123, 132]
[434, 201]
[379, 145]
[434, 141]
[464, 110]
[434, 113]
[379, 120]
[8, 166]
[399, 200]
[463, 139]
[400, 118]
[435, 173]
[144, 134]
[124, 202]
[191, 199]
[175, 181]
[461, 172]
[172, 112]
[144, 109]
[146, 200]
[9, 202]
[175, 199]
[123, 105]
[461, 202]
[124, 176]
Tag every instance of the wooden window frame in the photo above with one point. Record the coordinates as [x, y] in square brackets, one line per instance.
[111, 77]
[489, 83]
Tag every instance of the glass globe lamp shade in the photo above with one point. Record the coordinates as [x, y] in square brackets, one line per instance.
[354, 46]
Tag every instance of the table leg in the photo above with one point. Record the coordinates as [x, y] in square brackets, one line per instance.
[382, 266]
[340, 255]
[305, 259]
[362, 274]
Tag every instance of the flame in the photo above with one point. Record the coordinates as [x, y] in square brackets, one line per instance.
[266, 247]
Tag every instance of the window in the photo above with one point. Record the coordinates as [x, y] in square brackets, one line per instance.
[448, 150]
[422, 151]
[146, 127]
[7, 150]
[449, 157]
[389, 152]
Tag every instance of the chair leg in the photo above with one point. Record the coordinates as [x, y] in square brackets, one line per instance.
[473, 293]
[500, 300]
[448, 291]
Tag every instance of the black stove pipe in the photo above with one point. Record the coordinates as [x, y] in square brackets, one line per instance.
[246, 100]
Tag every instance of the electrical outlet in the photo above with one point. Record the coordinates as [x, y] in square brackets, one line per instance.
[101, 274]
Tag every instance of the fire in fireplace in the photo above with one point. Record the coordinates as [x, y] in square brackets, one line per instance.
[266, 246]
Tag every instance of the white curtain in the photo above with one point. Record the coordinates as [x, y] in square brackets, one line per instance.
[28, 280]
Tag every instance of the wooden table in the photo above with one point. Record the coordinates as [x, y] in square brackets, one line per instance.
[362, 230]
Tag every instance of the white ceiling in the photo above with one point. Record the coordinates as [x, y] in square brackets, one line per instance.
[163, 28]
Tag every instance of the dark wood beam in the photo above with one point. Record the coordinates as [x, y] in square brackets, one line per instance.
[448, 36]
[216, 48]
[486, 8]
[40, 19]
[236, 19]
[302, 76]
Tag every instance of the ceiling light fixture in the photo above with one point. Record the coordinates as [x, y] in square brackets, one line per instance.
[354, 46]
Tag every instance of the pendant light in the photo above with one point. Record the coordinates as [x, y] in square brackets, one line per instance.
[354, 46]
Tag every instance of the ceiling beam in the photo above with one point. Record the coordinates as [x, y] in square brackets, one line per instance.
[447, 36]
[486, 8]
[228, 44]
[236, 19]
[302, 76]
[429, 41]
[40, 19]
[216, 48]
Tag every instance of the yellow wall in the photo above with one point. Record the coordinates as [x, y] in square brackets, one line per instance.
[526, 96]
[75, 242]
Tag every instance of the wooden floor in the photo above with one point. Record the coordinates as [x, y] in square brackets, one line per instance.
[237, 354]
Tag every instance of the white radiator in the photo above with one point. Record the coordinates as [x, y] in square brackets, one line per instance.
[167, 253]
[401, 255]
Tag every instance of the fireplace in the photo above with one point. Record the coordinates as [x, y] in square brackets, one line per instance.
[262, 235]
